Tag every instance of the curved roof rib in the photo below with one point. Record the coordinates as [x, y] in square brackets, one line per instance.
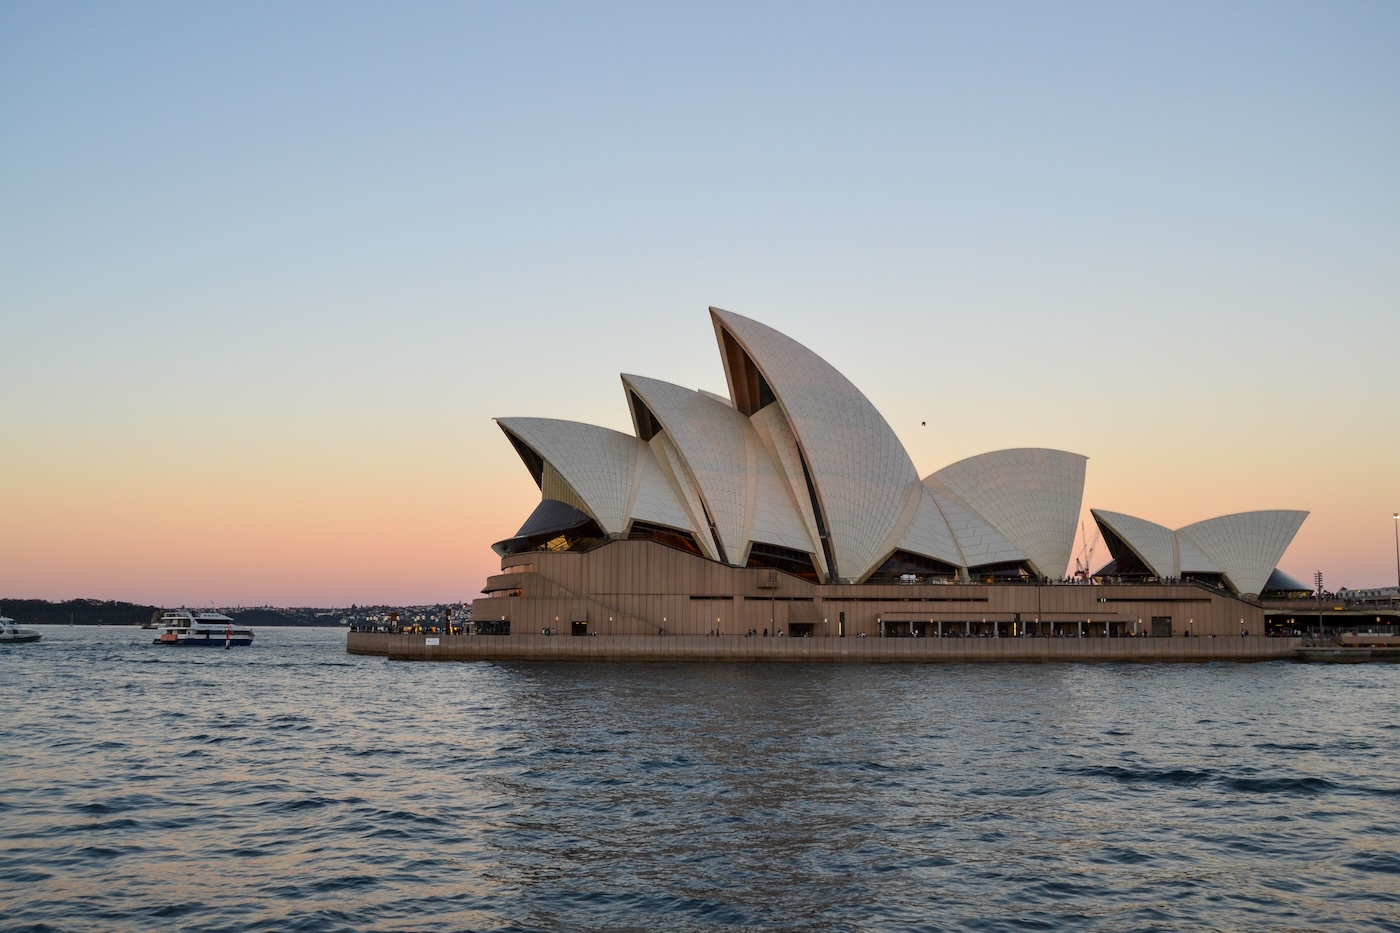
[1032, 495]
[598, 464]
[859, 470]
[1153, 544]
[1246, 545]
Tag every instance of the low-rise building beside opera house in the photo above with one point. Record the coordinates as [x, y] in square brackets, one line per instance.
[791, 509]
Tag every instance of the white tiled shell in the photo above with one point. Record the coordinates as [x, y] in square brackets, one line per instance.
[1151, 542]
[930, 535]
[653, 500]
[1246, 545]
[597, 463]
[716, 396]
[711, 439]
[861, 471]
[781, 446]
[1190, 559]
[1032, 495]
[775, 518]
[978, 541]
[683, 484]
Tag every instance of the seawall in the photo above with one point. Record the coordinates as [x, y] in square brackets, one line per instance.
[730, 648]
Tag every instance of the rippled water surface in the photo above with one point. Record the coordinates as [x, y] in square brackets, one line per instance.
[290, 786]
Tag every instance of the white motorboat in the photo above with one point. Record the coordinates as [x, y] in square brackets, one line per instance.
[12, 634]
[201, 629]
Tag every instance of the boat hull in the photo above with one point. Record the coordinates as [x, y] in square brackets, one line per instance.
[21, 639]
[200, 641]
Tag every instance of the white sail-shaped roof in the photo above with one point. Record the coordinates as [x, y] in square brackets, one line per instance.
[1246, 545]
[1190, 559]
[860, 471]
[711, 439]
[688, 494]
[777, 517]
[796, 457]
[653, 499]
[1152, 543]
[598, 464]
[778, 441]
[1031, 495]
[978, 541]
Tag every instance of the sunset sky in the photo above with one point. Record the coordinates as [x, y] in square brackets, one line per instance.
[267, 271]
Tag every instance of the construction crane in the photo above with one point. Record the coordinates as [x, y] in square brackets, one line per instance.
[1086, 554]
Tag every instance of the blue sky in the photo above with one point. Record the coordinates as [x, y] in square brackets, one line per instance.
[307, 251]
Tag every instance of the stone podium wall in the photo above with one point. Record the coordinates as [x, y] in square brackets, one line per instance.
[731, 648]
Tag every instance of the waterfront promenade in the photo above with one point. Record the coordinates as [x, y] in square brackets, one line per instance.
[418, 647]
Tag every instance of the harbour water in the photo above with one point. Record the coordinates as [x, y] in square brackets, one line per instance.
[292, 787]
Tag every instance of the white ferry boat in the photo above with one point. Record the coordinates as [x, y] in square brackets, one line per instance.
[201, 629]
[12, 634]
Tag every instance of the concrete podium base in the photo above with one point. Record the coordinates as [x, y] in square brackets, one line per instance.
[730, 648]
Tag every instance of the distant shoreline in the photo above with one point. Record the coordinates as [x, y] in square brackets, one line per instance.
[119, 614]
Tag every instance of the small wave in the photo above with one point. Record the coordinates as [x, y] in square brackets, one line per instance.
[1290, 746]
[400, 816]
[25, 875]
[124, 823]
[344, 882]
[1174, 777]
[1376, 791]
[1280, 785]
[1034, 790]
[377, 752]
[96, 807]
[1387, 863]
[304, 803]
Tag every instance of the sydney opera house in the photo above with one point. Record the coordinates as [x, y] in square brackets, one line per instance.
[791, 508]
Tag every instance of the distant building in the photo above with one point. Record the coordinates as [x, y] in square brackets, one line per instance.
[1386, 594]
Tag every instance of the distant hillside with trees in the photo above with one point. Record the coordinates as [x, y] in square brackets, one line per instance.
[78, 611]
